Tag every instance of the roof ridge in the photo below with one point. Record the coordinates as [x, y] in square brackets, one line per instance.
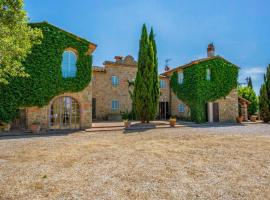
[69, 33]
[196, 62]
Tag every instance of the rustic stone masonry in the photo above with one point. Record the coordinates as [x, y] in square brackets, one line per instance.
[228, 107]
[42, 115]
[104, 92]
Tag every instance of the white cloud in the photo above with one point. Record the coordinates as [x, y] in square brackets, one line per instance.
[256, 73]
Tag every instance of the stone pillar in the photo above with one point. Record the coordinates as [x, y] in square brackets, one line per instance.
[210, 111]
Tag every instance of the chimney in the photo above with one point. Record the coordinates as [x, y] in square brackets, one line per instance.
[210, 50]
[118, 58]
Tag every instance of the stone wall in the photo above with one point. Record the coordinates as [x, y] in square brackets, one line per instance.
[165, 92]
[228, 107]
[175, 102]
[104, 92]
[42, 115]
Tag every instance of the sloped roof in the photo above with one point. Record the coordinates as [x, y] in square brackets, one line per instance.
[241, 99]
[68, 33]
[195, 62]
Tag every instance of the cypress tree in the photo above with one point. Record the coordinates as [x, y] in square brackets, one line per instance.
[144, 83]
[264, 104]
[156, 89]
[264, 98]
[250, 82]
[267, 82]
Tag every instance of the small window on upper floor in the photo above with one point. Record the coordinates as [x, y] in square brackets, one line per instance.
[162, 84]
[115, 80]
[180, 77]
[69, 60]
[208, 74]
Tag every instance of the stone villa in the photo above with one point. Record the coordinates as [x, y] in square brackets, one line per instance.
[107, 95]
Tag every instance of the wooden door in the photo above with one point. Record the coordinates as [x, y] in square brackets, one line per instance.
[215, 112]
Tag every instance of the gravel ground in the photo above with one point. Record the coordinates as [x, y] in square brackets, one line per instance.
[225, 162]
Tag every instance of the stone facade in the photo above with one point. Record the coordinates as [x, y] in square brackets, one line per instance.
[108, 94]
[68, 110]
[228, 107]
[104, 92]
[165, 92]
[175, 103]
[42, 115]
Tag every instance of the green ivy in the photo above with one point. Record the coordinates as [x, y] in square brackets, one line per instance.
[196, 91]
[44, 67]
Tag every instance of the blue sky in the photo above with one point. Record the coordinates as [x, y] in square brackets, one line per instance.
[239, 29]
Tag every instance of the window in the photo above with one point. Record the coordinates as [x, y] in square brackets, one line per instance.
[115, 105]
[69, 64]
[162, 84]
[208, 74]
[180, 77]
[115, 80]
[181, 108]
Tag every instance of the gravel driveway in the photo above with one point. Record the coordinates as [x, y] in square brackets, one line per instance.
[225, 162]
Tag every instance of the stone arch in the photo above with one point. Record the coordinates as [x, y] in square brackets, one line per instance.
[65, 113]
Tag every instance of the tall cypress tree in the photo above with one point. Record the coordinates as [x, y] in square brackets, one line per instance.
[156, 89]
[264, 98]
[267, 82]
[264, 104]
[249, 82]
[144, 83]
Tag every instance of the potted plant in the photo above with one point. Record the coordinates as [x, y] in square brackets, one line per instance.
[125, 117]
[172, 121]
[253, 118]
[35, 127]
[5, 126]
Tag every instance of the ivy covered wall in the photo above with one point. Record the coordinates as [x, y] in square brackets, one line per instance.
[196, 90]
[44, 67]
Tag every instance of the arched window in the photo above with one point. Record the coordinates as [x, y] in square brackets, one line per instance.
[65, 113]
[69, 64]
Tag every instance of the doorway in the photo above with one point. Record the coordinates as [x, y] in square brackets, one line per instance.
[65, 113]
[94, 100]
[164, 110]
[215, 112]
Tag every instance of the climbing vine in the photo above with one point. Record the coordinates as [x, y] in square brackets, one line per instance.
[196, 90]
[44, 67]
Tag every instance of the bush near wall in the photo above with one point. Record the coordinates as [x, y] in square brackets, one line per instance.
[196, 91]
[44, 67]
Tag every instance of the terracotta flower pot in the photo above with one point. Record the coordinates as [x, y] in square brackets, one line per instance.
[127, 124]
[35, 128]
[253, 118]
[7, 127]
[239, 119]
[172, 122]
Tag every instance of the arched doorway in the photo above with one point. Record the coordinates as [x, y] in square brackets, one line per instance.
[65, 113]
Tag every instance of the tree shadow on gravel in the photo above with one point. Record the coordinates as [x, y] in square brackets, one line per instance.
[24, 135]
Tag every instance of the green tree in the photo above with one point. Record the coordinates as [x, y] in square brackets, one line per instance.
[249, 94]
[264, 104]
[145, 106]
[267, 81]
[264, 98]
[16, 39]
[249, 82]
[156, 89]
